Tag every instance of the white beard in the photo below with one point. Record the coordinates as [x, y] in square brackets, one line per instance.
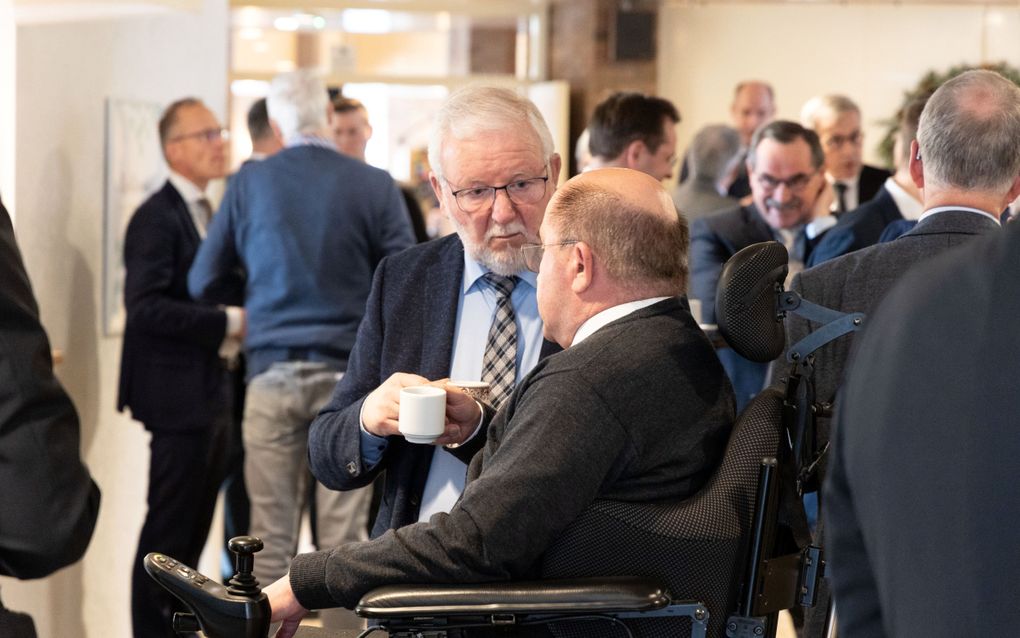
[505, 261]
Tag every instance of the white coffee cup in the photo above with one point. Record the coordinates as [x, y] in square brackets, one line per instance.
[422, 415]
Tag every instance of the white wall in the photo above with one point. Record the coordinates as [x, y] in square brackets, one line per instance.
[872, 53]
[64, 72]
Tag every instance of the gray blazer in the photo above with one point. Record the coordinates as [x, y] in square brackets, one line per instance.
[697, 197]
[856, 282]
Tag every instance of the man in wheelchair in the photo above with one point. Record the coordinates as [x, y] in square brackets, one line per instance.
[636, 409]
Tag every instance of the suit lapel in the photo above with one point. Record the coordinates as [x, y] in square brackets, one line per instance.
[439, 316]
[183, 215]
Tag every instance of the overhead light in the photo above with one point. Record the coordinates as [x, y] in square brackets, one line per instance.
[286, 23]
[250, 33]
[300, 21]
[367, 21]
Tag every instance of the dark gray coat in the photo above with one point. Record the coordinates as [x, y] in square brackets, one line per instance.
[639, 411]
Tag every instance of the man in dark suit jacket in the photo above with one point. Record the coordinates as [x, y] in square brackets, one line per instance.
[899, 198]
[636, 407]
[50, 502]
[915, 511]
[171, 376]
[789, 206]
[837, 120]
[430, 308]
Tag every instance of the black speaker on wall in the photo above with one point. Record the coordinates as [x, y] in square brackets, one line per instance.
[634, 35]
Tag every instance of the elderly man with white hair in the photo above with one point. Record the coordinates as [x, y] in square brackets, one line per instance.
[307, 226]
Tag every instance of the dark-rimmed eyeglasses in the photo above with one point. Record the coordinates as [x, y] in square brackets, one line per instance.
[522, 191]
[533, 253]
[834, 142]
[795, 183]
[208, 135]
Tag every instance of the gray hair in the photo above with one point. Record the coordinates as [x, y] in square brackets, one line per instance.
[475, 109]
[638, 246]
[298, 102]
[825, 105]
[714, 150]
[969, 133]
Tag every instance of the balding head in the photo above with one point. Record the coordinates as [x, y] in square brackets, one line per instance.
[753, 105]
[968, 134]
[611, 236]
[631, 224]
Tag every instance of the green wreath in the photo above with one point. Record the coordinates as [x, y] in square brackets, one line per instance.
[925, 88]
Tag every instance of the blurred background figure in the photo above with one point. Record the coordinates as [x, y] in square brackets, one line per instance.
[307, 227]
[837, 121]
[173, 373]
[264, 139]
[633, 130]
[351, 132]
[715, 159]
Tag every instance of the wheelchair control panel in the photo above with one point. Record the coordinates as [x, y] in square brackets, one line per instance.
[237, 610]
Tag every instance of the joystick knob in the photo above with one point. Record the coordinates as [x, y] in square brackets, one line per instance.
[243, 582]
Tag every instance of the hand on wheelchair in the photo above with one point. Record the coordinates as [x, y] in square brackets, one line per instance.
[285, 607]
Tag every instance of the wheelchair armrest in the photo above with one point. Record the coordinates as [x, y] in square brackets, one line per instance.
[572, 596]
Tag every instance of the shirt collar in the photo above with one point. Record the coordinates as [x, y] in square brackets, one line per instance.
[473, 271]
[941, 209]
[187, 189]
[909, 207]
[311, 139]
[851, 184]
[609, 315]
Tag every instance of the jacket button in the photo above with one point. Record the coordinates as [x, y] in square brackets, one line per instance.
[352, 468]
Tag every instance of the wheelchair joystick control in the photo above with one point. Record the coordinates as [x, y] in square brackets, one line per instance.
[240, 610]
[243, 583]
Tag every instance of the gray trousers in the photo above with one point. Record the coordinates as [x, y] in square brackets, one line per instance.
[281, 404]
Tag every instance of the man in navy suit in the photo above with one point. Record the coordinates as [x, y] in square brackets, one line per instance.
[837, 120]
[790, 205]
[171, 375]
[898, 199]
[432, 307]
[925, 440]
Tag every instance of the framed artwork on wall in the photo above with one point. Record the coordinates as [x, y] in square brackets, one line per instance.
[135, 169]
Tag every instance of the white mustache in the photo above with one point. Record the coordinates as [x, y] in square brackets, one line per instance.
[502, 230]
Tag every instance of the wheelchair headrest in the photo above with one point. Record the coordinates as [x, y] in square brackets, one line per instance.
[747, 301]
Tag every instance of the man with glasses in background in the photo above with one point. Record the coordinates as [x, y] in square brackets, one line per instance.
[462, 307]
[790, 204]
[837, 121]
[171, 375]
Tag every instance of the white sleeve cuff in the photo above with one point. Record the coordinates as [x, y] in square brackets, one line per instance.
[235, 320]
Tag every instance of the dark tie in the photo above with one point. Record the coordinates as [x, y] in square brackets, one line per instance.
[204, 212]
[500, 360]
[840, 197]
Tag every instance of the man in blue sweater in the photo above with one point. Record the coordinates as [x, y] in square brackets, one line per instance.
[307, 226]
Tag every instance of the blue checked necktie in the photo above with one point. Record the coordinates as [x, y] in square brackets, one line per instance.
[500, 360]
